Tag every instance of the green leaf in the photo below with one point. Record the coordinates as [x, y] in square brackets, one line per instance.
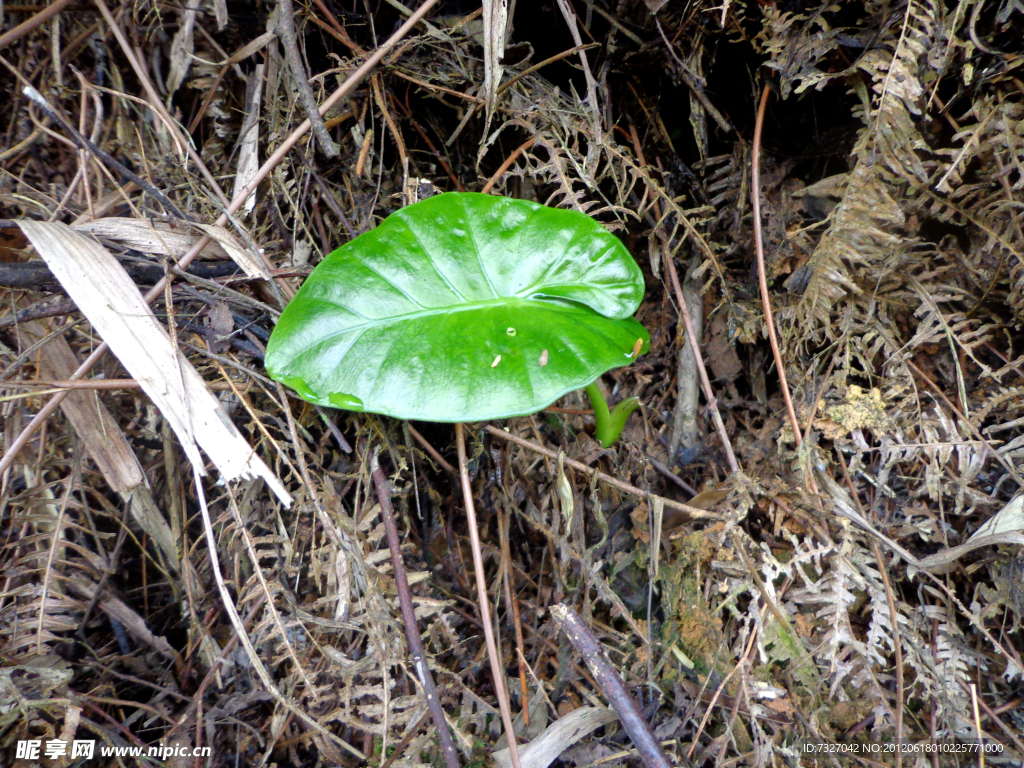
[462, 307]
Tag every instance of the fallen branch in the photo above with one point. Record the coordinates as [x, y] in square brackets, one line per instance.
[611, 685]
[35, 275]
[412, 632]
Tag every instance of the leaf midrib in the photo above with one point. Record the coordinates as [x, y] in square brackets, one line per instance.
[451, 309]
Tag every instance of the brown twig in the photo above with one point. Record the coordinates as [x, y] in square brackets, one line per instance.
[691, 335]
[611, 685]
[695, 87]
[378, 96]
[508, 162]
[507, 578]
[286, 31]
[28, 25]
[211, 91]
[713, 701]
[346, 88]
[508, 83]
[485, 607]
[632, 490]
[38, 311]
[401, 746]
[993, 715]
[431, 450]
[35, 274]
[541, 64]
[338, 33]
[755, 199]
[412, 633]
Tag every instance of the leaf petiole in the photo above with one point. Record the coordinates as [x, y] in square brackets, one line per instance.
[609, 425]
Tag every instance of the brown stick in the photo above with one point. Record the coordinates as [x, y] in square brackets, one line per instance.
[35, 274]
[762, 278]
[632, 490]
[485, 605]
[38, 311]
[286, 29]
[505, 166]
[28, 25]
[611, 685]
[157, 290]
[412, 632]
[431, 450]
[508, 578]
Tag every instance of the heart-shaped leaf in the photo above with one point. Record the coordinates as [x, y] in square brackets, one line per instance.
[462, 307]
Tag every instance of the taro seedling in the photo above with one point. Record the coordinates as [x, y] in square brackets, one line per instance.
[466, 307]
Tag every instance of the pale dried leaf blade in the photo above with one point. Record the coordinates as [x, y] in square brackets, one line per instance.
[243, 257]
[250, 48]
[112, 303]
[658, 513]
[220, 12]
[655, 5]
[249, 138]
[558, 737]
[87, 414]
[182, 48]
[1009, 518]
[102, 437]
[495, 24]
[154, 237]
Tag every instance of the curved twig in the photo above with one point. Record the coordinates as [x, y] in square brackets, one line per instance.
[755, 199]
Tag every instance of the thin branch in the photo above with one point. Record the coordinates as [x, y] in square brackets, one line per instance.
[286, 29]
[755, 199]
[431, 450]
[705, 382]
[412, 633]
[505, 166]
[485, 606]
[28, 25]
[39, 100]
[691, 336]
[611, 685]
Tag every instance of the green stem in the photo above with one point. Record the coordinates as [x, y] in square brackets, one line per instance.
[609, 425]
